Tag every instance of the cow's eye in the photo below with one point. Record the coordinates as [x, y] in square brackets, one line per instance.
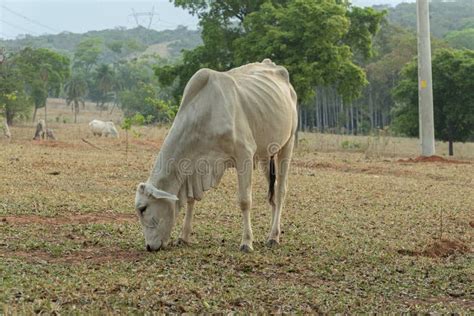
[142, 209]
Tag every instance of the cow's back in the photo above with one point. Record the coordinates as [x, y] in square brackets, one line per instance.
[249, 107]
[268, 103]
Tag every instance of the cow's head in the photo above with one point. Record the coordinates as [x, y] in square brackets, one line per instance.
[112, 130]
[156, 210]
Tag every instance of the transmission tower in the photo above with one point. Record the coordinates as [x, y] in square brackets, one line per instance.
[149, 14]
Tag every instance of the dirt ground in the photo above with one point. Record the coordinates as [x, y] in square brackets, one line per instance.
[363, 231]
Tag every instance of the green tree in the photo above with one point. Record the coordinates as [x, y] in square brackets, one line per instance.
[397, 47]
[461, 39]
[104, 81]
[130, 74]
[138, 120]
[453, 94]
[137, 89]
[288, 31]
[312, 40]
[14, 103]
[445, 16]
[145, 100]
[44, 72]
[87, 53]
[364, 25]
[76, 90]
[115, 46]
[221, 24]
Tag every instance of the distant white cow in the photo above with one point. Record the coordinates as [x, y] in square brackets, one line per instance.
[106, 129]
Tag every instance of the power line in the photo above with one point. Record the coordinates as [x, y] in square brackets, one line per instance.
[18, 27]
[181, 22]
[29, 20]
[158, 23]
[166, 22]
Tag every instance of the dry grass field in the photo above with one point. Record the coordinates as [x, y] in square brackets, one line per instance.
[361, 230]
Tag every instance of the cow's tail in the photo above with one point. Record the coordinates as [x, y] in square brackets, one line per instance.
[271, 183]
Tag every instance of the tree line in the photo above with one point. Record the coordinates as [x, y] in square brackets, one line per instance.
[349, 65]
[110, 68]
[31, 75]
[115, 44]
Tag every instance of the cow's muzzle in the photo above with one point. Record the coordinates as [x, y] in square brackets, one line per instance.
[151, 249]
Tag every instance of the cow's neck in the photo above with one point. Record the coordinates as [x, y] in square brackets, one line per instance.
[166, 175]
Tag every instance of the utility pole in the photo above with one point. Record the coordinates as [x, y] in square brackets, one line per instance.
[425, 83]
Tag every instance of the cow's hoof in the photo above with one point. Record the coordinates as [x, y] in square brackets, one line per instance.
[246, 248]
[181, 242]
[272, 243]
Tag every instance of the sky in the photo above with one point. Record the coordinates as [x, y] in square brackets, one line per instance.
[38, 17]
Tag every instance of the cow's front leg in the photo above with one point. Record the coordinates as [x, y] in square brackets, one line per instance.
[245, 201]
[185, 237]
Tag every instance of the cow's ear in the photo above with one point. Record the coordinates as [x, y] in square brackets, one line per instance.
[150, 190]
[158, 194]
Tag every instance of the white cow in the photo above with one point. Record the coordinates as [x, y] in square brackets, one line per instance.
[226, 119]
[100, 128]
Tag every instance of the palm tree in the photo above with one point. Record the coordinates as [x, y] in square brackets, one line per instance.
[105, 82]
[76, 89]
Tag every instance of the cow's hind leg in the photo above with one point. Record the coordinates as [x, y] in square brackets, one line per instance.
[283, 164]
[266, 168]
[244, 172]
